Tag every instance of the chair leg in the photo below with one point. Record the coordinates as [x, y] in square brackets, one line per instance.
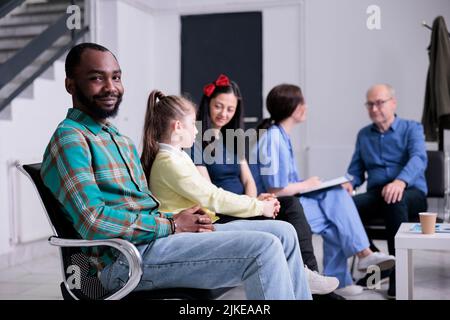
[447, 188]
[373, 247]
[66, 295]
[446, 208]
[352, 268]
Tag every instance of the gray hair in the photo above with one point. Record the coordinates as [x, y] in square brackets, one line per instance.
[388, 87]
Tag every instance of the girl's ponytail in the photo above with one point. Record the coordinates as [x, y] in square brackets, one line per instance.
[150, 146]
[161, 110]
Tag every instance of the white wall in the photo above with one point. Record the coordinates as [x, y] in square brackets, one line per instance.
[343, 58]
[284, 58]
[24, 138]
[136, 53]
[167, 37]
[127, 31]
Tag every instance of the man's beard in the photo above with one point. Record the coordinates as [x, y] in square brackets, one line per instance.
[94, 109]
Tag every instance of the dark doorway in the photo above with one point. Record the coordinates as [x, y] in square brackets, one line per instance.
[229, 43]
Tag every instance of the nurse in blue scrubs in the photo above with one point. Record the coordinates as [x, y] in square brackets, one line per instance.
[330, 213]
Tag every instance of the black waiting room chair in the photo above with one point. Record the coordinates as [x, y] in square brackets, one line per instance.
[437, 178]
[71, 251]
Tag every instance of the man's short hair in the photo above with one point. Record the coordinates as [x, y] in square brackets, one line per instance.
[388, 87]
[74, 56]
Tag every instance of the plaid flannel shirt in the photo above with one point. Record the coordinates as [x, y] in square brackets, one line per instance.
[96, 175]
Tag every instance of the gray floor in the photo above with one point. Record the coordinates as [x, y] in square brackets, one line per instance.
[40, 279]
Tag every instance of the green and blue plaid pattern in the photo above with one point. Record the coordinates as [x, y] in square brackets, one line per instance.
[96, 175]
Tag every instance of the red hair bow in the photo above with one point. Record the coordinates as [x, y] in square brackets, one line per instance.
[222, 81]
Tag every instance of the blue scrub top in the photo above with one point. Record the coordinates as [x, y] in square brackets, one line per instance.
[272, 160]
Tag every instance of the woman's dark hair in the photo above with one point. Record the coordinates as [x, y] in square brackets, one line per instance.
[281, 102]
[203, 114]
[161, 110]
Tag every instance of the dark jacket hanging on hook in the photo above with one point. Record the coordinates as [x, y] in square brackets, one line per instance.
[437, 93]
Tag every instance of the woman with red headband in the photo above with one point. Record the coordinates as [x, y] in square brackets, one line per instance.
[218, 160]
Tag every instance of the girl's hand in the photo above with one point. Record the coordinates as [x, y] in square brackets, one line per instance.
[266, 196]
[271, 208]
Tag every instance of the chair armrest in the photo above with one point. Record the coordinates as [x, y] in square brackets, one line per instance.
[125, 247]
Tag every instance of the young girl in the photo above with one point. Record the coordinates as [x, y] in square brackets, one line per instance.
[173, 177]
[330, 213]
[176, 182]
[221, 109]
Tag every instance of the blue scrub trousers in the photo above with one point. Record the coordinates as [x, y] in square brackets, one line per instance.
[333, 215]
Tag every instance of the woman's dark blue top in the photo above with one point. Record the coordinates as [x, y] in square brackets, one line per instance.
[222, 165]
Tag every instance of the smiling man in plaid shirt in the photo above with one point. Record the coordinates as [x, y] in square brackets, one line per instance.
[96, 175]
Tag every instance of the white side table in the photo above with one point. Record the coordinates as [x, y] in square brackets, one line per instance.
[405, 242]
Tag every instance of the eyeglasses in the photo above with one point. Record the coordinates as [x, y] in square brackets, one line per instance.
[378, 103]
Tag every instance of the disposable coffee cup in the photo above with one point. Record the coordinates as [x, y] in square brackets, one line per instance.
[428, 222]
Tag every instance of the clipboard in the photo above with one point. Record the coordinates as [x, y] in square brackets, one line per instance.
[327, 184]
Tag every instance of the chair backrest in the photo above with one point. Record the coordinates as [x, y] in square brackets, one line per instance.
[443, 124]
[59, 221]
[91, 287]
[435, 174]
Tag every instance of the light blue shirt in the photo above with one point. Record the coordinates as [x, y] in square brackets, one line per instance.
[275, 167]
[398, 153]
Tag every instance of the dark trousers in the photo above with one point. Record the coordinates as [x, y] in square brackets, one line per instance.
[291, 211]
[372, 205]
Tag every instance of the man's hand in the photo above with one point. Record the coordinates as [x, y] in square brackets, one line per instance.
[193, 220]
[393, 192]
[348, 187]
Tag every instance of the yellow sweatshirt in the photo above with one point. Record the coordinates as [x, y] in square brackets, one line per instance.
[178, 185]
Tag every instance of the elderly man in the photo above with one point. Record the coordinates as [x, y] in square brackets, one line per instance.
[392, 152]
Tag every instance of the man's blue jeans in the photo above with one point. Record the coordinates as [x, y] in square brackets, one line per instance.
[263, 255]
